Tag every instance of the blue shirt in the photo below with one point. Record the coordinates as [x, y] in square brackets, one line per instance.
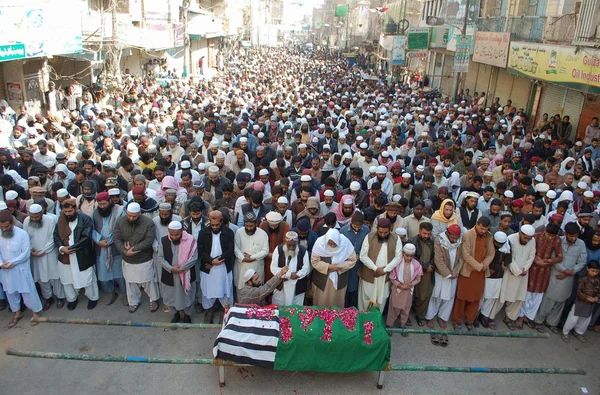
[356, 238]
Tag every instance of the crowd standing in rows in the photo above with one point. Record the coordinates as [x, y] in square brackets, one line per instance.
[300, 181]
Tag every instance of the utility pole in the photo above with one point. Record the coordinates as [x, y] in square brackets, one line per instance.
[464, 32]
[347, 23]
[186, 39]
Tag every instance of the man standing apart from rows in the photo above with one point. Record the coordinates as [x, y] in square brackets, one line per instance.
[177, 256]
[251, 249]
[381, 252]
[133, 237]
[295, 281]
[15, 269]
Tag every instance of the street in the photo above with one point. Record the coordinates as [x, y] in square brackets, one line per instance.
[32, 376]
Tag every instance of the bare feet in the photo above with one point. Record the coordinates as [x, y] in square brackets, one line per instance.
[430, 324]
[35, 315]
[441, 323]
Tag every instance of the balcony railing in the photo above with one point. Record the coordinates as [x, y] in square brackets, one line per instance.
[532, 28]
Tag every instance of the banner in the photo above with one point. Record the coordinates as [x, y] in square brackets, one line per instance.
[453, 34]
[398, 51]
[416, 54]
[418, 39]
[462, 54]
[562, 65]
[491, 48]
[439, 37]
[386, 42]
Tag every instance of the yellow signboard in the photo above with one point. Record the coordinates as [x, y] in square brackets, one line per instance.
[557, 64]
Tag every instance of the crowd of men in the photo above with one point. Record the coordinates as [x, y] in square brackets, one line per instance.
[300, 181]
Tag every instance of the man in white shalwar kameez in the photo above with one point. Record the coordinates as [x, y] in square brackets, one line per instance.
[514, 283]
[295, 257]
[15, 273]
[44, 255]
[375, 257]
[251, 249]
[448, 261]
[72, 278]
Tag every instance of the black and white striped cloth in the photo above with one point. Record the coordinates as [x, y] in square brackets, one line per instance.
[250, 341]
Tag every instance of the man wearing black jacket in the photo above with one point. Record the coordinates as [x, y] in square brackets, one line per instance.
[215, 252]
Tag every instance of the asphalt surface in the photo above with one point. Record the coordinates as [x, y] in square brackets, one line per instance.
[34, 376]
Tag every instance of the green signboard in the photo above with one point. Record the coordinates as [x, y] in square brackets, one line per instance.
[12, 51]
[341, 10]
[418, 39]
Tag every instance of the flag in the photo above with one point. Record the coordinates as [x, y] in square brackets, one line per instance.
[297, 338]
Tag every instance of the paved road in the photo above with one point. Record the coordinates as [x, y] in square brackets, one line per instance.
[32, 376]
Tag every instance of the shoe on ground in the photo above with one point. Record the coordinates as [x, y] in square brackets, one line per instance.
[176, 318]
[60, 303]
[72, 305]
[565, 338]
[3, 304]
[187, 319]
[48, 304]
[92, 304]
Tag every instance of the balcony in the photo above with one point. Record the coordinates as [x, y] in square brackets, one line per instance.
[556, 30]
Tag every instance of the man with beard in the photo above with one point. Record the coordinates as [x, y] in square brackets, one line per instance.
[44, 256]
[276, 230]
[380, 253]
[469, 213]
[255, 206]
[424, 254]
[72, 236]
[251, 249]
[177, 255]
[513, 290]
[15, 273]
[86, 202]
[37, 193]
[562, 278]
[412, 222]
[360, 197]
[148, 206]
[255, 293]
[134, 237]
[478, 252]
[28, 164]
[108, 259]
[355, 231]
[392, 209]
[344, 211]
[241, 163]
[216, 256]
[494, 214]
[295, 258]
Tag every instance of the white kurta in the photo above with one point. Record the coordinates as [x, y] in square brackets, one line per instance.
[45, 268]
[380, 289]
[16, 250]
[70, 274]
[217, 283]
[514, 286]
[287, 296]
[257, 246]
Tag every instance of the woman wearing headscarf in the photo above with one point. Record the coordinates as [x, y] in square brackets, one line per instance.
[332, 257]
[444, 217]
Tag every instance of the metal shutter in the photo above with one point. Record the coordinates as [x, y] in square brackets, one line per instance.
[472, 76]
[552, 100]
[447, 75]
[483, 79]
[437, 70]
[573, 106]
[504, 86]
[521, 90]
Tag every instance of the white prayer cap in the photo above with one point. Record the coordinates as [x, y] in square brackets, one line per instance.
[488, 173]
[243, 139]
[185, 164]
[261, 135]
[354, 186]
[133, 208]
[385, 154]
[263, 172]
[274, 217]
[364, 145]
[472, 195]
[11, 195]
[588, 194]
[405, 175]
[420, 168]
[359, 138]
[396, 198]
[347, 155]
[247, 171]
[542, 187]
[582, 185]
[114, 192]
[3, 206]
[500, 237]
[302, 146]
[539, 178]
[381, 170]
[175, 225]
[202, 166]
[373, 169]
[400, 231]
[551, 194]
[248, 275]
[283, 200]
[305, 178]
[438, 167]
[329, 193]
[348, 201]
[528, 230]
[244, 132]
[255, 127]
[409, 249]
[509, 194]
[62, 193]
[213, 170]
[35, 209]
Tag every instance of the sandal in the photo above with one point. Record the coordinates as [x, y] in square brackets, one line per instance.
[133, 309]
[519, 326]
[579, 337]
[457, 327]
[153, 306]
[539, 328]
[530, 324]
[469, 326]
[14, 321]
[403, 334]
[566, 338]
[420, 322]
[34, 323]
[553, 329]
[435, 340]
[444, 340]
[510, 324]
[492, 325]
